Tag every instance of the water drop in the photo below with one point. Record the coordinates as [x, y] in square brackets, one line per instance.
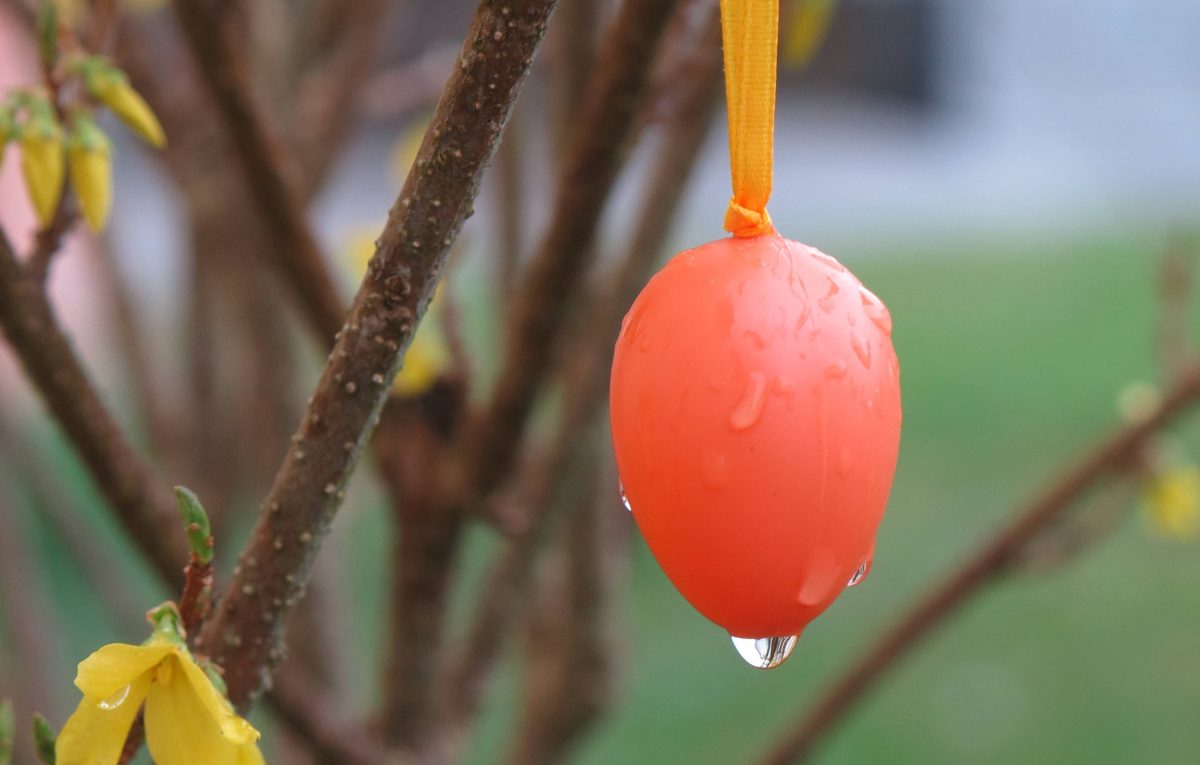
[756, 339]
[828, 260]
[115, 700]
[765, 653]
[749, 409]
[876, 311]
[717, 470]
[827, 302]
[836, 370]
[862, 348]
[859, 574]
[624, 498]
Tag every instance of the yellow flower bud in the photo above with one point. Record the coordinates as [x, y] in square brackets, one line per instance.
[1171, 501]
[804, 31]
[90, 161]
[111, 87]
[43, 165]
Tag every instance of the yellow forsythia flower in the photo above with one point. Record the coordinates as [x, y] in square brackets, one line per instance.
[188, 721]
[805, 29]
[1171, 501]
[42, 161]
[427, 356]
[90, 160]
[112, 88]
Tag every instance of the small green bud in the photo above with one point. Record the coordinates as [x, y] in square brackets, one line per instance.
[44, 739]
[195, 521]
[47, 31]
[167, 623]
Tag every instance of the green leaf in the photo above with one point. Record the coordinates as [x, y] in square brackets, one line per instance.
[44, 738]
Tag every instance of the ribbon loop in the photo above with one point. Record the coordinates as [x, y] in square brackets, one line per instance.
[750, 34]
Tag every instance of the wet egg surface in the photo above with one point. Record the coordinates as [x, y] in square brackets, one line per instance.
[755, 406]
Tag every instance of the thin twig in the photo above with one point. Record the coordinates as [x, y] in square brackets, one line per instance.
[244, 635]
[570, 675]
[553, 280]
[332, 90]
[142, 504]
[585, 381]
[987, 564]
[294, 246]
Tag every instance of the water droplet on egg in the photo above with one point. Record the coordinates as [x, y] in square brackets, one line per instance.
[747, 411]
[765, 653]
[862, 348]
[827, 302]
[836, 370]
[876, 311]
[716, 469]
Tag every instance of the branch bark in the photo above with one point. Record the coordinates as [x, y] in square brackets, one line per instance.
[244, 635]
[987, 564]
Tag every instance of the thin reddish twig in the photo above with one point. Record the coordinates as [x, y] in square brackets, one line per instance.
[981, 568]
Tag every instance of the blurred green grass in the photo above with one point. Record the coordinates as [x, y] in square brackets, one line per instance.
[1011, 355]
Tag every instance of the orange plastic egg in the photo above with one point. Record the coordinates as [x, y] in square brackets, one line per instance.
[756, 420]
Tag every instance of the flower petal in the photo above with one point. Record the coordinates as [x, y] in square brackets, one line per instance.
[94, 734]
[188, 722]
[249, 754]
[233, 727]
[115, 666]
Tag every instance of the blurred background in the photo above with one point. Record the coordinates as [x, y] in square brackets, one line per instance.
[1009, 176]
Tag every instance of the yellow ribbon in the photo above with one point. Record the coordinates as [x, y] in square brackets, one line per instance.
[750, 33]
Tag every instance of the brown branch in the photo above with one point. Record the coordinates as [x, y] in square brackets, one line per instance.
[570, 674]
[294, 247]
[585, 380]
[425, 548]
[144, 507]
[988, 563]
[244, 634]
[490, 441]
[49, 239]
[510, 207]
[332, 91]
[334, 740]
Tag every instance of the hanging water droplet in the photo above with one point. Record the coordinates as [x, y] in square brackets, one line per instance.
[624, 498]
[862, 348]
[115, 700]
[876, 311]
[749, 409]
[859, 574]
[765, 653]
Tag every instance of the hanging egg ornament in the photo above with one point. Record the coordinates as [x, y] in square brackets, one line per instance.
[755, 406]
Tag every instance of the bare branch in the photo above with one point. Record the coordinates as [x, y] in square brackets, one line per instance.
[988, 563]
[294, 249]
[244, 635]
[555, 274]
[144, 507]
